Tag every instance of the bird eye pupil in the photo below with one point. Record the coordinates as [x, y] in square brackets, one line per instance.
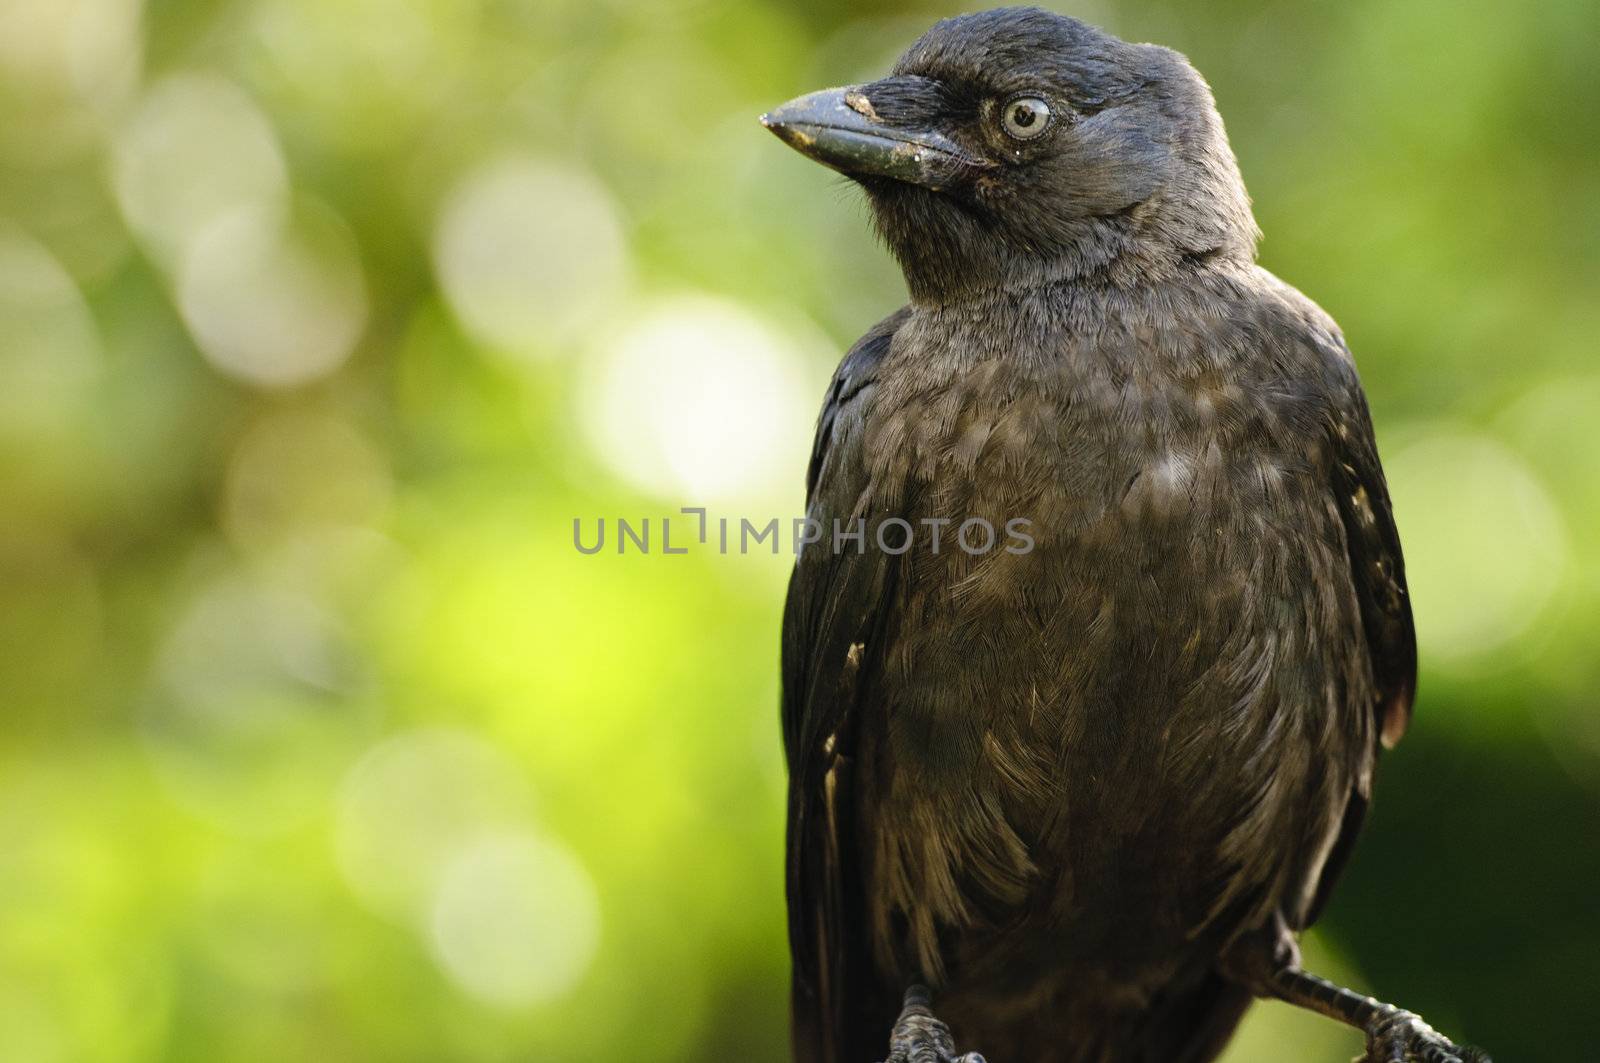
[1026, 118]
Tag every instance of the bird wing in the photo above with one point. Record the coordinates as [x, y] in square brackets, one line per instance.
[1376, 565]
[832, 642]
[1378, 574]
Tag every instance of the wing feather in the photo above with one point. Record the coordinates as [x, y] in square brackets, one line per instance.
[1378, 575]
[832, 642]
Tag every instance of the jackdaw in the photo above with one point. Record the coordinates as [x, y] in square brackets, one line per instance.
[1088, 791]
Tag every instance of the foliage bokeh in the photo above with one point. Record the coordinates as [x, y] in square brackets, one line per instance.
[320, 323]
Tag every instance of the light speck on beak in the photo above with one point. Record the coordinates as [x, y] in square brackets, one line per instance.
[861, 105]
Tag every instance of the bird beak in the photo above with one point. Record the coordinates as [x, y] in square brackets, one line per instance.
[841, 129]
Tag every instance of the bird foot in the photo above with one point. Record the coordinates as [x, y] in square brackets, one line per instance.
[919, 1037]
[1399, 1036]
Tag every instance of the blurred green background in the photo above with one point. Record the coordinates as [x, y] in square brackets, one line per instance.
[320, 322]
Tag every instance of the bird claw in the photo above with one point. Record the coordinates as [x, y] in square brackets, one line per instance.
[1400, 1036]
[920, 1037]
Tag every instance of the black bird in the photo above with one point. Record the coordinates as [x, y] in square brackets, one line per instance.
[1088, 790]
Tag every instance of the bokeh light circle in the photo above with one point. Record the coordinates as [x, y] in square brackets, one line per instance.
[301, 471]
[51, 355]
[411, 802]
[255, 705]
[1485, 547]
[516, 920]
[529, 251]
[274, 299]
[701, 400]
[65, 66]
[349, 71]
[196, 149]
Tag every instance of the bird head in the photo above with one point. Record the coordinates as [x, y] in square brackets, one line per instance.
[1015, 147]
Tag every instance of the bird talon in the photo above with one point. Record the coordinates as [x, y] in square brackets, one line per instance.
[919, 1036]
[1400, 1036]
